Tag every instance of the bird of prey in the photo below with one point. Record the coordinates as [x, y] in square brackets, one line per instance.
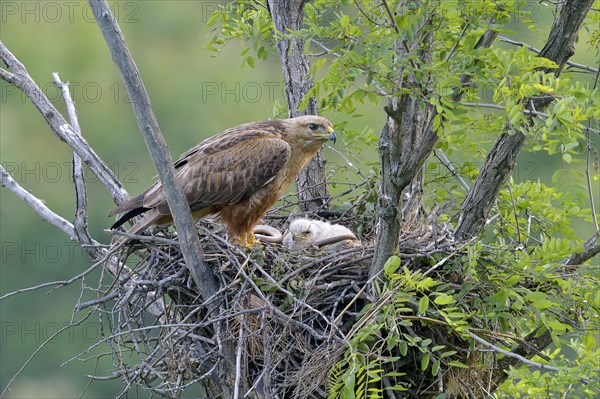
[305, 233]
[237, 175]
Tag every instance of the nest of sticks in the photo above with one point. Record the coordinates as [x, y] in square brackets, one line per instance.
[282, 315]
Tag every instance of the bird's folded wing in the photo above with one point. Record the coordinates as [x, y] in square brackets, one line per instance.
[224, 175]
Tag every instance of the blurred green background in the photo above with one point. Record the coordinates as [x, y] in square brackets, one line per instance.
[194, 96]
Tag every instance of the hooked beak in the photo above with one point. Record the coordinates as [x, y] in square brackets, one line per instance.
[329, 136]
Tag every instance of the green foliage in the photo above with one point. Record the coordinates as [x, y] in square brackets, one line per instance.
[244, 21]
[385, 336]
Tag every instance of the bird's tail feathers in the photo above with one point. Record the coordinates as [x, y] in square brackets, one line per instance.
[127, 216]
[146, 221]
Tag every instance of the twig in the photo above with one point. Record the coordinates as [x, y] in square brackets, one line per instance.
[537, 51]
[588, 178]
[588, 151]
[391, 15]
[519, 357]
[94, 249]
[439, 154]
[39, 348]
[36, 204]
[525, 111]
[238, 359]
[54, 284]
[327, 50]
[348, 161]
[104, 299]
[439, 263]
[453, 49]
[516, 216]
[81, 214]
[293, 297]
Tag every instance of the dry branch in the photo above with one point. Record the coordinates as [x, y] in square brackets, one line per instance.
[36, 204]
[81, 213]
[148, 125]
[20, 78]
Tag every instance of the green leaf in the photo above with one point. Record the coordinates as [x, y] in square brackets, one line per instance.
[456, 363]
[499, 298]
[437, 123]
[391, 265]
[512, 280]
[213, 19]
[394, 374]
[443, 299]
[423, 304]
[349, 383]
[345, 21]
[539, 300]
[425, 361]
[403, 348]
[446, 354]
[435, 368]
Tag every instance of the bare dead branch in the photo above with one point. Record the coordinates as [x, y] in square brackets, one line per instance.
[36, 204]
[439, 154]
[21, 79]
[148, 125]
[511, 354]
[81, 213]
[94, 249]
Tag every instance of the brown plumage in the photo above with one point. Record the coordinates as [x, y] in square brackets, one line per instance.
[237, 174]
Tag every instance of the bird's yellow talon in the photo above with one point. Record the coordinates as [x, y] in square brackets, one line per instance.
[251, 241]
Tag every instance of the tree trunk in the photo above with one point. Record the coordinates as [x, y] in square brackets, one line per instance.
[406, 141]
[288, 16]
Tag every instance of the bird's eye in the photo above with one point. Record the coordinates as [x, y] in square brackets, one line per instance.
[313, 126]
